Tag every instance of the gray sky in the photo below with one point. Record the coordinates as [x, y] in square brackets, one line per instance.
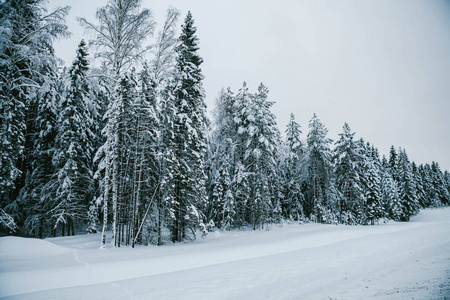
[383, 66]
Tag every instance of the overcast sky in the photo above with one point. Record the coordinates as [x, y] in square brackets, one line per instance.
[383, 66]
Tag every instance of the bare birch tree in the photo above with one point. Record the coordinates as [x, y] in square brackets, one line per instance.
[123, 28]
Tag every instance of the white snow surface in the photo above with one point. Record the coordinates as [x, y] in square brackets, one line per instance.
[293, 261]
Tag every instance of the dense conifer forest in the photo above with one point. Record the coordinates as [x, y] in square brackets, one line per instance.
[127, 147]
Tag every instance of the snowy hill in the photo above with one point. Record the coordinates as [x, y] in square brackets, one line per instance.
[312, 261]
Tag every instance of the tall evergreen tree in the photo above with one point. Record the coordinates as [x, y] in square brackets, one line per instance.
[319, 172]
[190, 135]
[241, 184]
[347, 156]
[39, 190]
[260, 154]
[390, 196]
[74, 146]
[420, 191]
[293, 203]
[427, 184]
[26, 54]
[373, 194]
[221, 163]
[407, 187]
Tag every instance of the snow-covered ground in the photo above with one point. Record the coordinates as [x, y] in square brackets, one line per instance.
[312, 261]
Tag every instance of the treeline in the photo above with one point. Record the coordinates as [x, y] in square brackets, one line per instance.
[127, 147]
[255, 178]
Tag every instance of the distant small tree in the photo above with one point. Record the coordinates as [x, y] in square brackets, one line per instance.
[408, 196]
[373, 194]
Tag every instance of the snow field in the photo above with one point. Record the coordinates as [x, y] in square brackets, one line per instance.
[312, 261]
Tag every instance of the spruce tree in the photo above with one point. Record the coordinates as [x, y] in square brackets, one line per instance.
[390, 196]
[39, 191]
[260, 154]
[27, 56]
[293, 203]
[420, 191]
[190, 135]
[74, 146]
[373, 194]
[241, 175]
[346, 158]
[319, 172]
[447, 180]
[442, 193]
[407, 187]
[221, 161]
[393, 163]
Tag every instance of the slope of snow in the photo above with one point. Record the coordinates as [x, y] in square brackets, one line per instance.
[312, 261]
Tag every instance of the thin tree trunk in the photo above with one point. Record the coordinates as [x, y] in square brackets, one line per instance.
[115, 189]
[160, 219]
[119, 227]
[138, 198]
[105, 203]
[41, 227]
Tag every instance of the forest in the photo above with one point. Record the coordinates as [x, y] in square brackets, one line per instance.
[127, 148]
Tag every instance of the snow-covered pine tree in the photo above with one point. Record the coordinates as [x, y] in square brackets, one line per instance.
[346, 158]
[420, 191]
[241, 185]
[74, 147]
[39, 190]
[190, 136]
[373, 194]
[428, 186]
[319, 169]
[26, 35]
[393, 163]
[97, 109]
[442, 193]
[155, 84]
[447, 180]
[292, 205]
[222, 197]
[259, 156]
[407, 187]
[167, 161]
[390, 196]
[362, 167]
[221, 162]
[146, 166]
